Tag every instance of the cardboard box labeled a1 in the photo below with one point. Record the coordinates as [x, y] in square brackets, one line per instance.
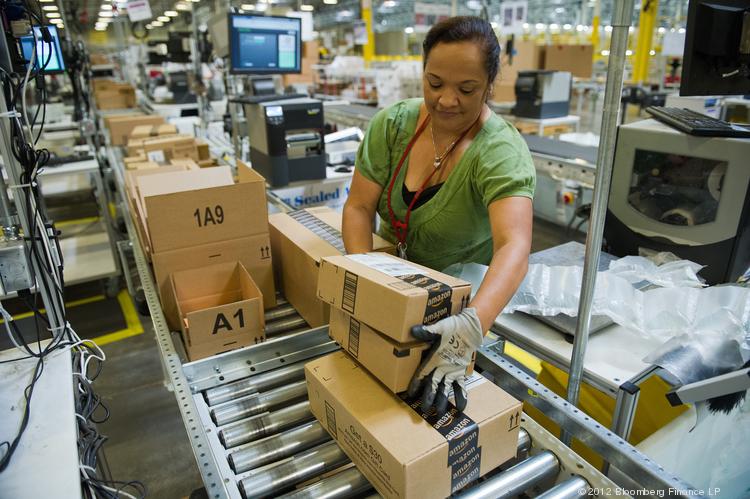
[253, 252]
[392, 363]
[402, 451]
[390, 294]
[201, 206]
[299, 240]
[220, 306]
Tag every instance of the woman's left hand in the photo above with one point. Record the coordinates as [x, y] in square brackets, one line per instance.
[456, 339]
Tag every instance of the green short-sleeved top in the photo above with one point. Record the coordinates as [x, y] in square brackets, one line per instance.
[453, 226]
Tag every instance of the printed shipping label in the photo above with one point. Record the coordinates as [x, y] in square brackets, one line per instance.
[389, 266]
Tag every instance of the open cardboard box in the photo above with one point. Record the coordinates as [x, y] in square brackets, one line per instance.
[392, 363]
[298, 241]
[390, 294]
[404, 452]
[220, 306]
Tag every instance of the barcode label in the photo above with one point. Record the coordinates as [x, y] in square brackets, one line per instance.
[319, 228]
[349, 299]
[386, 265]
[331, 420]
[353, 337]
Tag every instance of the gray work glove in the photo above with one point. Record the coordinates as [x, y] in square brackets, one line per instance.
[455, 338]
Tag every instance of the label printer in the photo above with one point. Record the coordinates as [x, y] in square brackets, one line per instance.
[542, 94]
[287, 140]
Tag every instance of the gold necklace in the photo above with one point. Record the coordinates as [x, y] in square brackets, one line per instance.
[438, 161]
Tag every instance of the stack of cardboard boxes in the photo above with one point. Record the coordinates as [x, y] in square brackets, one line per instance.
[121, 126]
[404, 450]
[110, 94]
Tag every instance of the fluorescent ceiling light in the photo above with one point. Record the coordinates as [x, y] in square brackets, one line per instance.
[47, 1]
[306, 7]
[567, 26]
[494, 25]
[106, 6]
[580, 28]
[540, 26]
[157, 24]
[605, 52]
[171, 13]
[105, 13]
[554, 26]
[330, 2]
[100, 28]
[182, 6]
[608, 29]
[389, 3]
[148, 26]
[56, 21]
[408, 30]
[261, 6]
[50, 8]
[163, 19]
[628, 52]
[52, 15]
[248, 6]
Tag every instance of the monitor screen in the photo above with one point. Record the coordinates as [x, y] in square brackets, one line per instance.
[48, 55]
[264, 44]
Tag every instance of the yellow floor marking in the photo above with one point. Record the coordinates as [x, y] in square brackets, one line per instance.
[132, 321]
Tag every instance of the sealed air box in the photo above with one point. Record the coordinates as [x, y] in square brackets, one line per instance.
[220, 308]
[390, 294]
[299, 240]
[392, 363]
[403, 452]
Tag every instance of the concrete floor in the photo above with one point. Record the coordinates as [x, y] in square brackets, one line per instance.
[147, 440]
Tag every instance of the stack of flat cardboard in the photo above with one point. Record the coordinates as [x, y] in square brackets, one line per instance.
[110, 94]
[120, 127]
[578, 59]
[528, 55]
[298, 241]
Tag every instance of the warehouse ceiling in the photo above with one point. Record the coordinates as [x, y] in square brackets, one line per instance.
[388, 15]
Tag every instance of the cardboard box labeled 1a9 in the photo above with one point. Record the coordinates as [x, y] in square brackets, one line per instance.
[392, 363]
[390, 294]
[220, 308]
[403, 452]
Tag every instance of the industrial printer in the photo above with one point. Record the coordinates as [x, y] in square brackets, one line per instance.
[287, 139]
[542, 94]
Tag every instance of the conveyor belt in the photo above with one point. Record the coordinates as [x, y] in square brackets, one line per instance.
[561, 149]
[268, 444]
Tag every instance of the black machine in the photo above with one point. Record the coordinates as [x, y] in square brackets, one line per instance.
[178, 46]
[286, 142]
[179, 85]
[695, 123]
[542, 94]
[717, 48]
[676, 192]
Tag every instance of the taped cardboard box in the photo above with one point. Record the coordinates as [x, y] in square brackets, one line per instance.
[195, 207]
[220, 308]
[253, 252]
[392, 363]
[120, 97]
[298, 241]
[403, 452]
[160, 148]
[120, 127]
[390, 294]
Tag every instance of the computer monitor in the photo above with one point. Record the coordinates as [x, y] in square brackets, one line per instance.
[48, 55]
[680, 193]
[716, 59]
[264, 44]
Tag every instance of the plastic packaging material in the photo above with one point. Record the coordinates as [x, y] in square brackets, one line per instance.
[669, 274]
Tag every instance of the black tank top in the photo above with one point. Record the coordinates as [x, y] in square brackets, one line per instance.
[426, 195]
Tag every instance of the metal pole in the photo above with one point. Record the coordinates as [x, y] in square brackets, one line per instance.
[197, 69]
[620, 23]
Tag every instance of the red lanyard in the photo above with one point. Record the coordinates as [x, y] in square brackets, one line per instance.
[401, 228]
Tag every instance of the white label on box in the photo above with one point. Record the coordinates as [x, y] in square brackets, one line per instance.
[394, 268]
[156, 156]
